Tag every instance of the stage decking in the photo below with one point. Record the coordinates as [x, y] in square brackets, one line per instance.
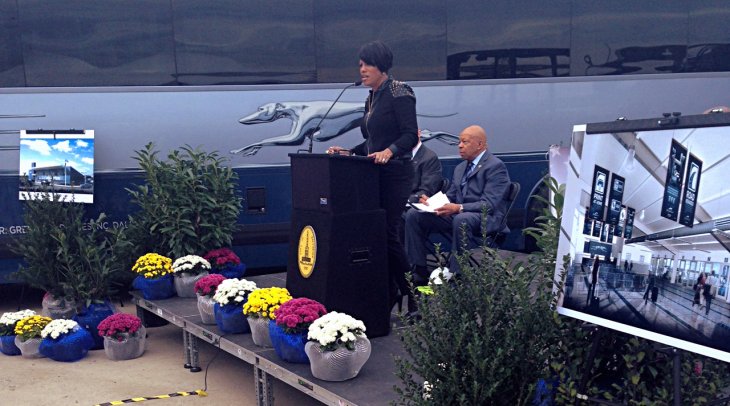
[373, 386]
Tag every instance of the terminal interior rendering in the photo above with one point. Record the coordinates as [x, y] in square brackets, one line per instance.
[656, 276]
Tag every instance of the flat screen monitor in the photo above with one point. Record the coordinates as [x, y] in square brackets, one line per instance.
[661, 273]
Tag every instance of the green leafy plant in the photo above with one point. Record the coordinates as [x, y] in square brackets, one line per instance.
[64, 254]
[42, 267]
[188, 204]
[484, 338]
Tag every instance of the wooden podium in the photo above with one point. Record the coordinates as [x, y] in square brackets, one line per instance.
[338, 245]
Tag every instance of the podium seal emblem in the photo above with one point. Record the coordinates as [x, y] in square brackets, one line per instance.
[307, 251]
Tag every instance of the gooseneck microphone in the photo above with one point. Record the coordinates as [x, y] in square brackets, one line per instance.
[316, 128]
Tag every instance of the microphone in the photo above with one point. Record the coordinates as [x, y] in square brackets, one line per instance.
[316, 128]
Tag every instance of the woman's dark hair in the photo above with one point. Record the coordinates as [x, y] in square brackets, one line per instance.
[378, 54]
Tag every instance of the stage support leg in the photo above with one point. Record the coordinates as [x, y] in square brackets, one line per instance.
[186, 349]
[194, 361]
[263, 385]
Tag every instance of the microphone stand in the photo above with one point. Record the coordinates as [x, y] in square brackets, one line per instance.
[310, 133]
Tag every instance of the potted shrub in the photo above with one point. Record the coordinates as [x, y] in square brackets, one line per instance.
[230, 297]
[188, 202]
[154, 276]
[337, 347]
[28, 335]
[205, 289]
[7, 330]
[71, 258]
[90, 265]
[64, 340]
[226, 262]
[289, 330]
[186, 271]
[259, 310]
[44, 214]
[124, 336]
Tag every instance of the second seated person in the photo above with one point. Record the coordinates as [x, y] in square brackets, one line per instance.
[390, 131]
[480, 184]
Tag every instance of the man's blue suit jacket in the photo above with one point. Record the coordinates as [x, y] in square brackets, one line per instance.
[486, 187]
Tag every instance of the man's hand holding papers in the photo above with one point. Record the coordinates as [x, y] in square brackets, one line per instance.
[432, 203]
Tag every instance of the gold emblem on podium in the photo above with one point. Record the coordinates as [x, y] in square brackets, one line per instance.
[307, 251]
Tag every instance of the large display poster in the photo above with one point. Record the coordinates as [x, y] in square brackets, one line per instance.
[673, 183]
[615, 197]
[646, 298]
[598, 193]
[691, 189]
[629, 229]
[61, 161]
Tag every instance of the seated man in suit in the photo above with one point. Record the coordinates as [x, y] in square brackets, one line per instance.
[427, 168]
[480, 183]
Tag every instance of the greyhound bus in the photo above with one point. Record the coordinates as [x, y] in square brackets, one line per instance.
[251, 79]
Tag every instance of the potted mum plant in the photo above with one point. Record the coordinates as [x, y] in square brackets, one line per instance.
[124, 336]
[289, 330]
[186, 271]
[230, 297]
[154, 276]
[205, 289]
[65, 341]
[28, 335]
[337, 347]
[259, 310]
[226, 262]
[7, 330]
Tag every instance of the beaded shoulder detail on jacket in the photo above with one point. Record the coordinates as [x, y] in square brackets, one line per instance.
[400, 89]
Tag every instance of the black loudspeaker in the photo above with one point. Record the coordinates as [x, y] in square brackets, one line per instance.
[348, 270]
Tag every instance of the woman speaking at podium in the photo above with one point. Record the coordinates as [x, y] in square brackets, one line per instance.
[390, 131]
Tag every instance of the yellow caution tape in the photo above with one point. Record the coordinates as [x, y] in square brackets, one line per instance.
[198, 392]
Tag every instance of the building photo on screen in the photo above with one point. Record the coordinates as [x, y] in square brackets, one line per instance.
[646, 228]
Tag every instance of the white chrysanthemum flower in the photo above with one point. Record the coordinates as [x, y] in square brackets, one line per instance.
[335, 328]
[439, 275]
[233, 290]
[188, 262]
[57, 328]
[10, 318]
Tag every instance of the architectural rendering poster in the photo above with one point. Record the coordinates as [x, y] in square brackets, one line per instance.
[629, 229]
[673, 184]
[691, 188]
[615, 196]
[59, 161]
[598, 193]
[645, 282]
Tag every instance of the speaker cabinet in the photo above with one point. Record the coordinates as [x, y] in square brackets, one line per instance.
[348, 271]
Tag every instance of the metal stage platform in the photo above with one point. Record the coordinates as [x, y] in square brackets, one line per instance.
[373, 386]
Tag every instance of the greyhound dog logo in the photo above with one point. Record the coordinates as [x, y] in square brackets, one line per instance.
[305, 116]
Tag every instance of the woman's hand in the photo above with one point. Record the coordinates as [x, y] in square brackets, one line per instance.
[382, 157]
[337, 150]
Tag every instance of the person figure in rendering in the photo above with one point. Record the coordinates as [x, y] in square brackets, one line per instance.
[699, 288]
[649, 287]
[593, 281]
[710, 290]
[480, 183]
[390, 131]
